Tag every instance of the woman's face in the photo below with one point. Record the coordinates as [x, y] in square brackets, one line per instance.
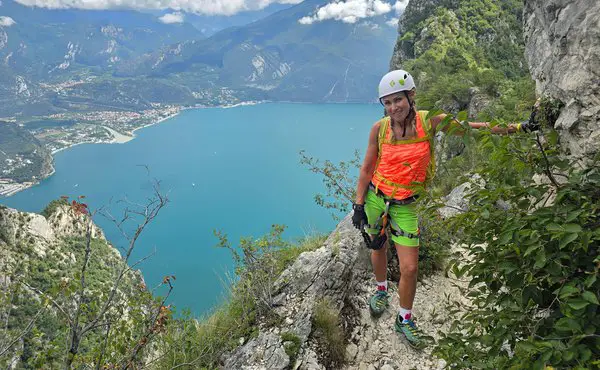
[397, 105]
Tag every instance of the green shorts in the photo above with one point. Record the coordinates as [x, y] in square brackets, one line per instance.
[405, 216]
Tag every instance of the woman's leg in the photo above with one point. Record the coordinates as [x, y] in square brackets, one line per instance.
[379, 262]
[408, 258]
[374, 207]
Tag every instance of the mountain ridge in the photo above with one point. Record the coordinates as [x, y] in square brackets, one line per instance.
[263, 60]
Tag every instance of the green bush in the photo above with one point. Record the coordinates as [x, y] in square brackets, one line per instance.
[435, 244]
[533, 265]
[292, 345]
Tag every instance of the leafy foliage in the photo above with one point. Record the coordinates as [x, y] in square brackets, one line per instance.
[75, 302]
[455, 46]
[291, 343]
[337, 180]
[55, 277]
[256, 266]
[53, 206]
[533, 264]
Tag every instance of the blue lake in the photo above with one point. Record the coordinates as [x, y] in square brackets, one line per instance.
[233, 169]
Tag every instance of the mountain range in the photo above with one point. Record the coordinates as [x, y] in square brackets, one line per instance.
[54, 61]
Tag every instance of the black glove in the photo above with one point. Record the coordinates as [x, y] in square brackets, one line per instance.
[532, 124]
[359, 217]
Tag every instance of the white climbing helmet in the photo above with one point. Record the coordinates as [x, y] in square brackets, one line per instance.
[395, 81]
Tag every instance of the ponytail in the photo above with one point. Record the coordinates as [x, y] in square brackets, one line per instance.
[412, 115]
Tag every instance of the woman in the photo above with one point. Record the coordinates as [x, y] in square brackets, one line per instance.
[397, 161]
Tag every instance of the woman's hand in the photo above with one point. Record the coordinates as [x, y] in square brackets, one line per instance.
[359, 217]
[532, 124]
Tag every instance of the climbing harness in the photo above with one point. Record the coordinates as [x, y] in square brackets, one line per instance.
[385, 224]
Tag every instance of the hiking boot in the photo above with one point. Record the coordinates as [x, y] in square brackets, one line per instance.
[410, 331]
[379, 302]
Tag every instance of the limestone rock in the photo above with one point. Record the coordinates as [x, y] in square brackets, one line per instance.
[31, 228]
[39, 226]
[66, 222]
[264, 352]
[340, 271]
[456, 201]
[563, 51]
[478, 102]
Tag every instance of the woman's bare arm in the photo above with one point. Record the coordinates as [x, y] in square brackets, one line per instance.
[436, 120]
[368, 167]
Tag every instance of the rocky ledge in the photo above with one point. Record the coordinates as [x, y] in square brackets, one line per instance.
[340, 272]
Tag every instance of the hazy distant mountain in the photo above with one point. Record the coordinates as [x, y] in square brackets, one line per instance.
[45, 51]
[211, 24]
[80, 60]
[280, 59]
[42, 42]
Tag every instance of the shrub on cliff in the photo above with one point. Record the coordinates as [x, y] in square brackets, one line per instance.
[533, 265]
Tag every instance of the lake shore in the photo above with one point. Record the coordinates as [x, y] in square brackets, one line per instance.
[9, 188]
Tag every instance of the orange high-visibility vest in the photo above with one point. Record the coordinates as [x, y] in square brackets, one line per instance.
[403, 165]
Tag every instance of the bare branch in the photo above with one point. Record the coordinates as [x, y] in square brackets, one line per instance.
[142, 260]
[118, 224]
[76, 333]
[546, 162]
[99, 319]
[104, 344]
[150, 331]
[151, 213]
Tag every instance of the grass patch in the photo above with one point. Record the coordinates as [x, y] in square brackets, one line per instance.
[291, 344]
[329, 334]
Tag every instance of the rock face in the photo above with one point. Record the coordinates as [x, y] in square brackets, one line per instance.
[340, 272]
[563, 51]
[44, 235]
[65, 222]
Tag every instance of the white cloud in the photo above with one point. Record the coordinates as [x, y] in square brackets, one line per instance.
[209, 7]
[400, 5]
[176, 17]
[350, 11]
[393, 22]
[6, 21]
